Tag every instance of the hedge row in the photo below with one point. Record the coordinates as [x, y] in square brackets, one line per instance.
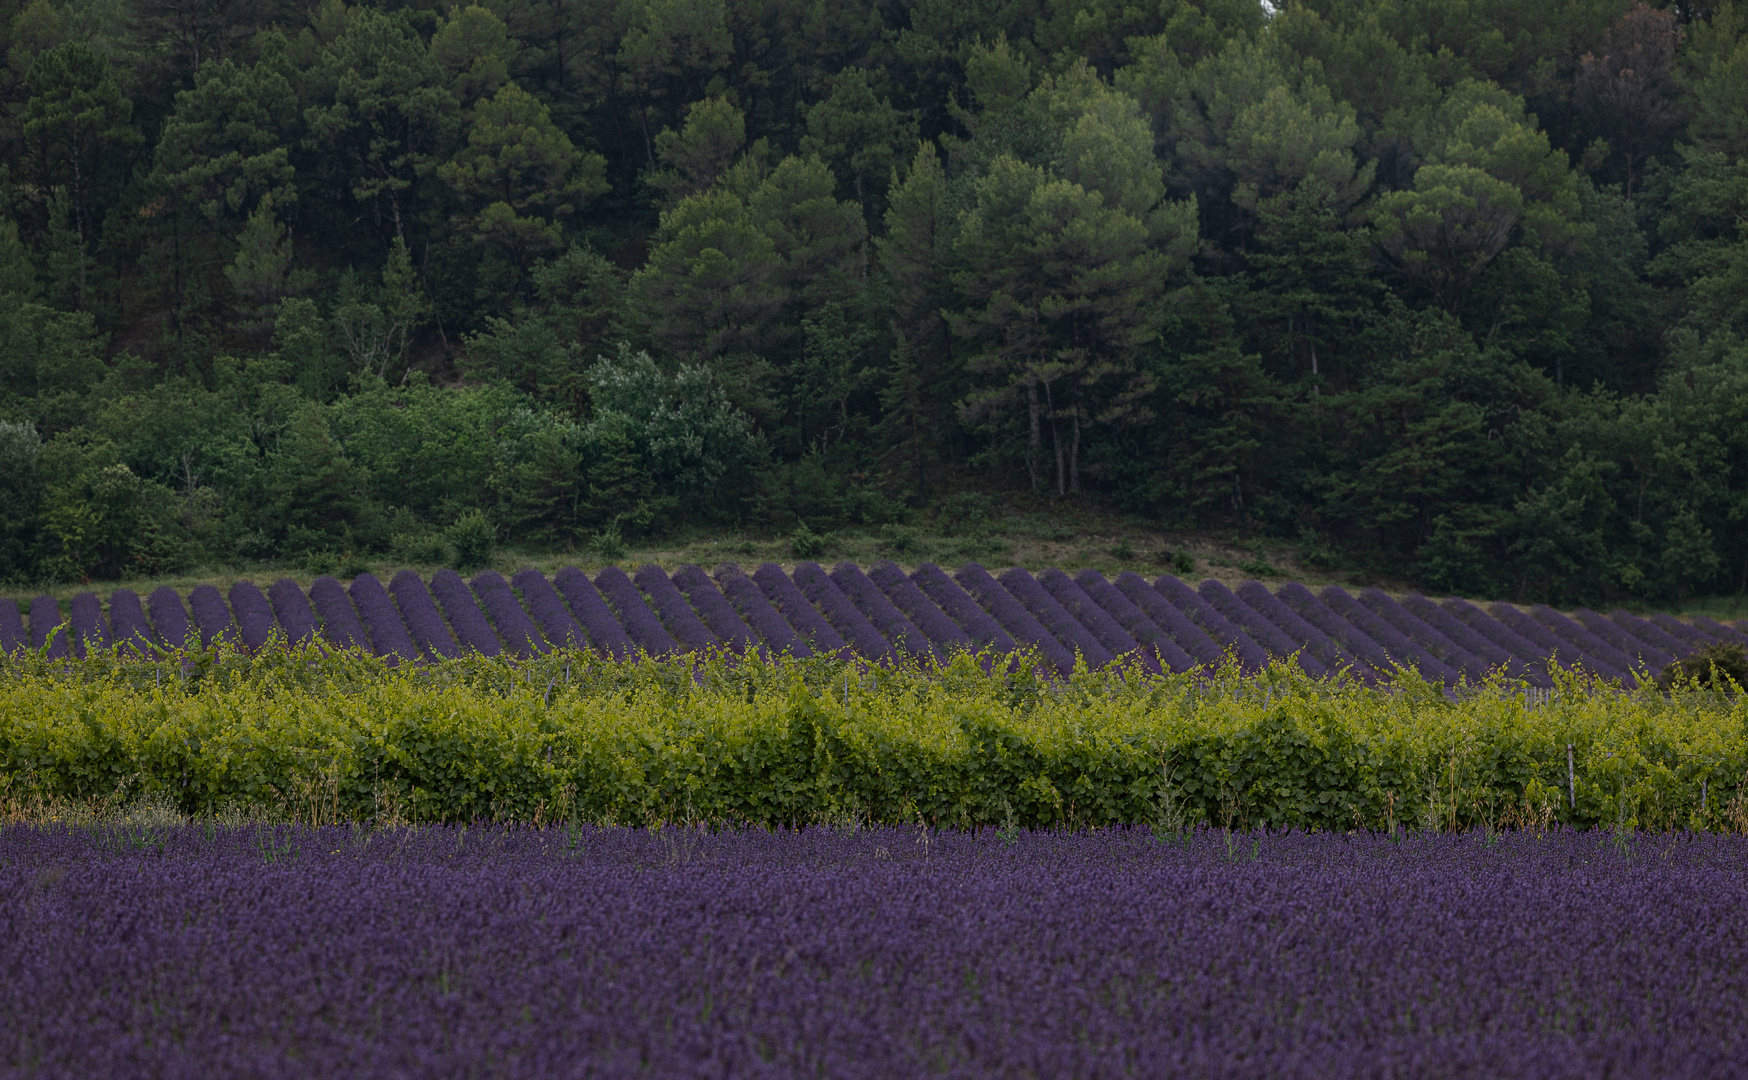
[319, 735]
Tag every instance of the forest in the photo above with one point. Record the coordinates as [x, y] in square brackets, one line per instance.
[1456, 288]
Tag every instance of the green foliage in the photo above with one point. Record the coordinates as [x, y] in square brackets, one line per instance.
[804, 543]
[1716, 667]
[746, 741]
[472, 538]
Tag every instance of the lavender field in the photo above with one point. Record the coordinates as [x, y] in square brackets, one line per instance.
[880, 614]
[443, 952]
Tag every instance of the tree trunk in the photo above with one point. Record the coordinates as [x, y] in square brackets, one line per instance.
[1074, 455]
[1036, 440]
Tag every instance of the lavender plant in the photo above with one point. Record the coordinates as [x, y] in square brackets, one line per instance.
[1308, 607]
[472, 631]
[292, 608]
[1689, 636]
[1399, 647]
[169, 617]
[13, 635]
[869, 954]
[388, 635]
[677, 615]
[1264, 603]
[1064, 627]
[767, 623]
[45, 622]
[128, 629]
[1221, 630]
[1263, 632]
[715, 611]
[1580, 636]
[1095, 619]
[824, 594]
[592, 612]
[945, 634]
[1021, 624]
[548, 609]
[810, 626]
[341, 627]
[211, 616]
[899, 632]
[639, 621]
[424, 623]
[1475, 644]
[521, 638]
[1454, 656]
[976, 624]
[1645, 655]
[1532, 657]
[1133, 620]
[85, 615]
[1719, 631]
[1190, 638]
[1648, 633]
[1552, 645]
[254, 614]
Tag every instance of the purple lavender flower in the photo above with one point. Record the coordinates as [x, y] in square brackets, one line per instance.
[897, 630]
[520, 635]
[1575, 634]
[544, 603]
[810, 626]
[1264, 603]
[676, 614]
[168, 616]
[285, 953]
[1136, 622]
[387, 633]
[1653, 637]
[1356, 641]
[1454, 656]
[1191, 639]
[1220, 629]
[592, 612]
[922, 612]
[1398, 647]
[1719, 631]
[973, 622]
[1532, 658]
[46, 629]
[341, 626]
[1690, 637]
[128, 629]
[1643, 654]
[472, 631]
[1475, 644]
[716, 612]
[824, 594]
[773, 630]
[634, 614]
[254, 614]
[1552, 645]
[1263, 632]
[293, 610]
[1093, 618]
[1063, 626]
[424, 623]
[211, 616]
[1013, 616]
[85, 613]
[13, 636]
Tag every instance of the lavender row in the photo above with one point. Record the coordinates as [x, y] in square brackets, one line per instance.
[878, 614]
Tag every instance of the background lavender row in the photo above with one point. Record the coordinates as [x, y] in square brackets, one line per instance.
[592, 612]
[677, 615]
[340, 623]
[472, 631]
[948, 595]
[425, 625]
[1263, 632]
[1399, 648]
[211, 615]
[639, 621]
[1024, 588]
[825, 595]
[254, 614]
[1264, 603]
[1192, 639]
[767, 623]
[1020, 623]
[1075, 601]
[293, 610]
[899, 633]
[812, 627]
[1475, 644]
[1219, 628]
[544, 603]
[1137, 622]
[713, 608]
[923, 613]
[520, 635]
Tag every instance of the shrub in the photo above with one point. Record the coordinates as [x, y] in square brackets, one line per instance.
[804, 543]
[473, 538]
[1718, 666]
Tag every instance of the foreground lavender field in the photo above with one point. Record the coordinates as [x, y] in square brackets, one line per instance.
[878, 953]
